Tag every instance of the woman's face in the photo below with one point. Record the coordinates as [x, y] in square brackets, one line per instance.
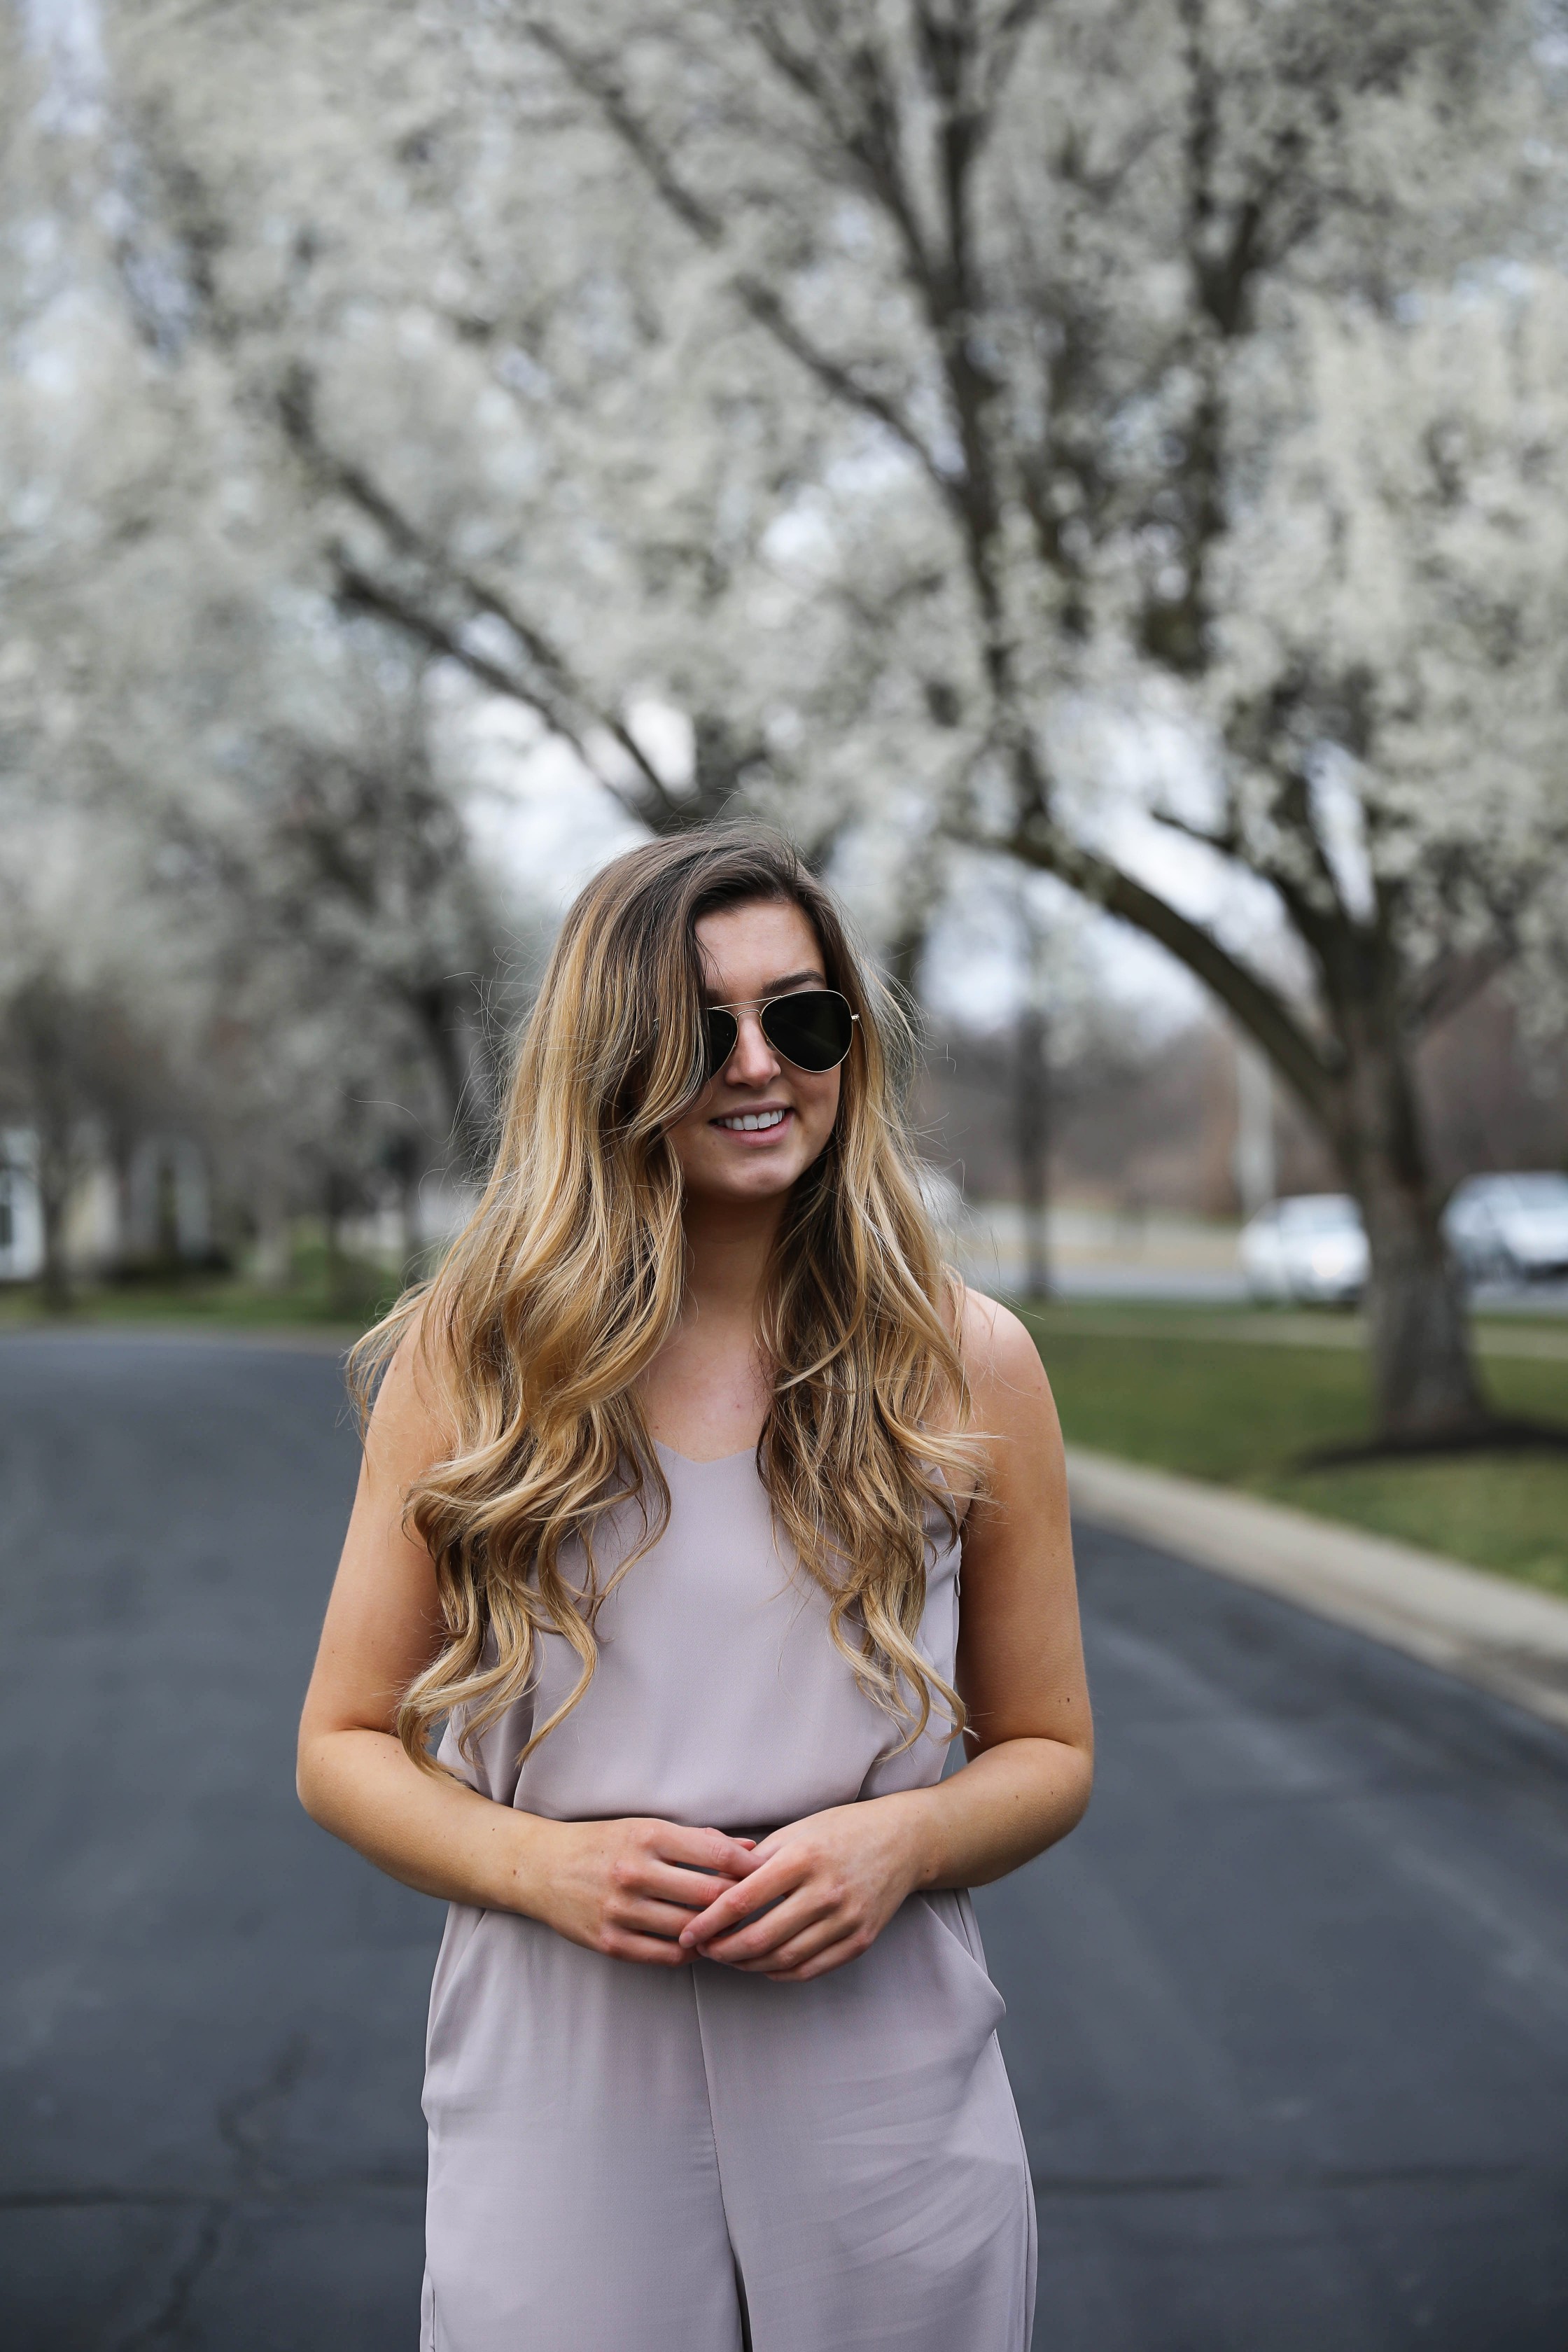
[749, 953]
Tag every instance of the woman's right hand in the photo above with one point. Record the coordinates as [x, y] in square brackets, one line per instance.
[628, 1888]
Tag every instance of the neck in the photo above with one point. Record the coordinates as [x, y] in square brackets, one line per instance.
[729, 1242]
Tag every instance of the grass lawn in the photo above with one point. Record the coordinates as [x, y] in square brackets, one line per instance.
[1243, 1411]
[345, 1297]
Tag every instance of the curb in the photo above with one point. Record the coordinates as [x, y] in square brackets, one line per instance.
[1506, 1638]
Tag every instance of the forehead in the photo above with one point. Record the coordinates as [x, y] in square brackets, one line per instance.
[745, 950]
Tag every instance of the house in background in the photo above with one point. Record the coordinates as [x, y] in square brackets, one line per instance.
[153, 1210]
[21, 1217]
[163, 1208]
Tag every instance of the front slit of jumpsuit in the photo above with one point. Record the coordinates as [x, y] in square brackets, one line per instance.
[611, 2143]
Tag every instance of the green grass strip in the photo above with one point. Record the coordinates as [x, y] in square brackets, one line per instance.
[1243, 1413]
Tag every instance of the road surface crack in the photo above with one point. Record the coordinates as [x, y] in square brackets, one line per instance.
[248, 2121]
[247, 2124]
[168, 2323]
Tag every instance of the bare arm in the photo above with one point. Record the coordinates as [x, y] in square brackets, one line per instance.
[621, 1887]
[1020, 1654]
[836, 1879]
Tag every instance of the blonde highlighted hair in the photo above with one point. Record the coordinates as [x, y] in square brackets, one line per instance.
[568, 1278]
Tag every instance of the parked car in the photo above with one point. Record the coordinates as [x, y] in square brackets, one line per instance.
[1308, 1250]
[1509, 1228]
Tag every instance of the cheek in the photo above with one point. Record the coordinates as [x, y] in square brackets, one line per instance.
[821, 1106]
[691, 1130]
[686, 1140]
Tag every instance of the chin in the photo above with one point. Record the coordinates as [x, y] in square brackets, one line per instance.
[762, 1182]
[758, 1184]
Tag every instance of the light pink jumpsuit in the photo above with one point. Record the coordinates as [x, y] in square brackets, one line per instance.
[627, 2158]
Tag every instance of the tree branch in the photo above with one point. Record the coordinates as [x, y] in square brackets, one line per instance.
[759, 299]
[1007, 41]
[1226, 845]
[558, 696]
[1452, 980]
[1259, 1008]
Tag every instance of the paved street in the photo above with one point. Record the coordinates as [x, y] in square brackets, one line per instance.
[1288, 2017]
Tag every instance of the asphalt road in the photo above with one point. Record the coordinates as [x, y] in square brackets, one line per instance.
[1288, 2017]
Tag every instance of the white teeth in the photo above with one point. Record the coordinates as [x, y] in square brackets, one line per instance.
[748, 1122]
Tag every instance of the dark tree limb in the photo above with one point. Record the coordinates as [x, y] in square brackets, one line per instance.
[554, 691]
[598, 82]
[1260, 1009]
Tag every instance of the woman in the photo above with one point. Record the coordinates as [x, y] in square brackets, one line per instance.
[666, 1496]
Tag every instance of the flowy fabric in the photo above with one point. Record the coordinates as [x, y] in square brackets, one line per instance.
[628, 2158]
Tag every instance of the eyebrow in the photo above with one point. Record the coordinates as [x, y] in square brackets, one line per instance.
[780, 987]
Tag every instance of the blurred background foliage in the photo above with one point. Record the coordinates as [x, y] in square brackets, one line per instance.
[1097, 474]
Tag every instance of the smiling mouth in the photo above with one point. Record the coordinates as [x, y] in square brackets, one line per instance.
[752, 1122]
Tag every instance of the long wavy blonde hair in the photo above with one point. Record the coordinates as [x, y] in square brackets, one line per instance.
[568, 1279]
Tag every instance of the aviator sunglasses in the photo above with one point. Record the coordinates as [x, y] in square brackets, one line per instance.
[812, 1027]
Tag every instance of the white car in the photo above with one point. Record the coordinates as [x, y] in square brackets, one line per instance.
[1310, 1250]
[1509, 1228]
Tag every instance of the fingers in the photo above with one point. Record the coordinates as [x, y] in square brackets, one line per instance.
[663, 1873]
[771, 1880]
[653, 1951]
[692, 1890]
[705, 1850]
[795, 1908]
[722, 1916]
[750, 1938]
[649, 1918]
[648, 1897]
[645, 1931]
[820, 1963]
[719, 1917]
[764, 1943]
[785, 1908]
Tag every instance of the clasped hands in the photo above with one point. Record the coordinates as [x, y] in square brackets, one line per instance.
[801, 1902]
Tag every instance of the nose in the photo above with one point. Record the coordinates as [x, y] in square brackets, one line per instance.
[754, 1062]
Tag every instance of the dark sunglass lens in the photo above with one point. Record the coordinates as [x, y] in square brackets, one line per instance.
[719, 1031]
[812, 1029]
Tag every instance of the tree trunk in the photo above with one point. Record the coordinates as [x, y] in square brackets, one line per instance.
[406, 1168]
[457, 1047]
[55, 1167]
[1356, 1085]
[1425, 1390]
[902, 959]
[1031, 1130]
[273, 1251]
[1252, 1160]
[413, 1248]
[335, 1203]
[120, 1148]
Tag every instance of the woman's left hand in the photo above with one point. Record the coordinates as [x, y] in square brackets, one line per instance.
[831, 1883]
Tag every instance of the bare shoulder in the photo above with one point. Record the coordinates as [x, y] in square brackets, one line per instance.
[1023, 1484]
[413, 1425]
[1001, 1359]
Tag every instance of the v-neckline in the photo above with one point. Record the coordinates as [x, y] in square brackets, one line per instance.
[704, 1461]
